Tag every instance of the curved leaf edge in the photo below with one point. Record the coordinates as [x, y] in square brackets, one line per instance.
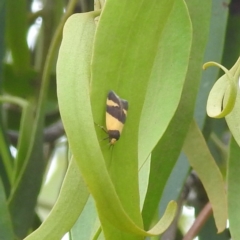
[225, 89]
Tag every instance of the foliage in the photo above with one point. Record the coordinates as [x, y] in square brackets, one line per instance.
[150, 53]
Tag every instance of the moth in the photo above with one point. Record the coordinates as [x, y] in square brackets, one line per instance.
[116, 114]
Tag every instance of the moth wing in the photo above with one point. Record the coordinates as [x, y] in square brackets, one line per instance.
[116, 112]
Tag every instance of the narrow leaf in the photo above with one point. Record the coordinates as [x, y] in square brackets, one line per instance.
[207, 170]
[6, 228]
[70, 203]
[233, 179]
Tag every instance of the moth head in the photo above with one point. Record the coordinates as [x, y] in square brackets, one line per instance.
[112, 141]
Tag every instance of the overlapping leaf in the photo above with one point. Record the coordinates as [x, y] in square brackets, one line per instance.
[207, 170]
[233, 178]
[169, 147]
[74, 99]
[72, 199]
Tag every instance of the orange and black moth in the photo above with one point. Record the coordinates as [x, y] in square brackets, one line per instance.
[116, 114]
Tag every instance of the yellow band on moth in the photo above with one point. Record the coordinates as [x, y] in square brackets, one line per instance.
[113, 123]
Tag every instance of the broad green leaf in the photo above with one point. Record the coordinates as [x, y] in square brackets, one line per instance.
[88, 224]
[207, 170]
[165, 87]
[73, 77]
[214, 50]
[125, 66]
[166, 152]
[70, 203]
[6, 228]
[233, 178]
[167, 79]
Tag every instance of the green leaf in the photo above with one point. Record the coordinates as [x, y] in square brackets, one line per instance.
[232, 118]
[131, 64]
[169, 147]
[131, 72]
[167, 79]
[175, 182]
[70, 203]
[233, 178]
[25, 133]
[25, 192]
[2, 36]
[73, 92]
[27, 181]
[16, 26]
[27, 120]
[87, 224]
[21, 84]
[24, 196]
[207, 170]
[213, 52]
[6, 162]
[6, 228]
[143, 174]
[222, 97]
